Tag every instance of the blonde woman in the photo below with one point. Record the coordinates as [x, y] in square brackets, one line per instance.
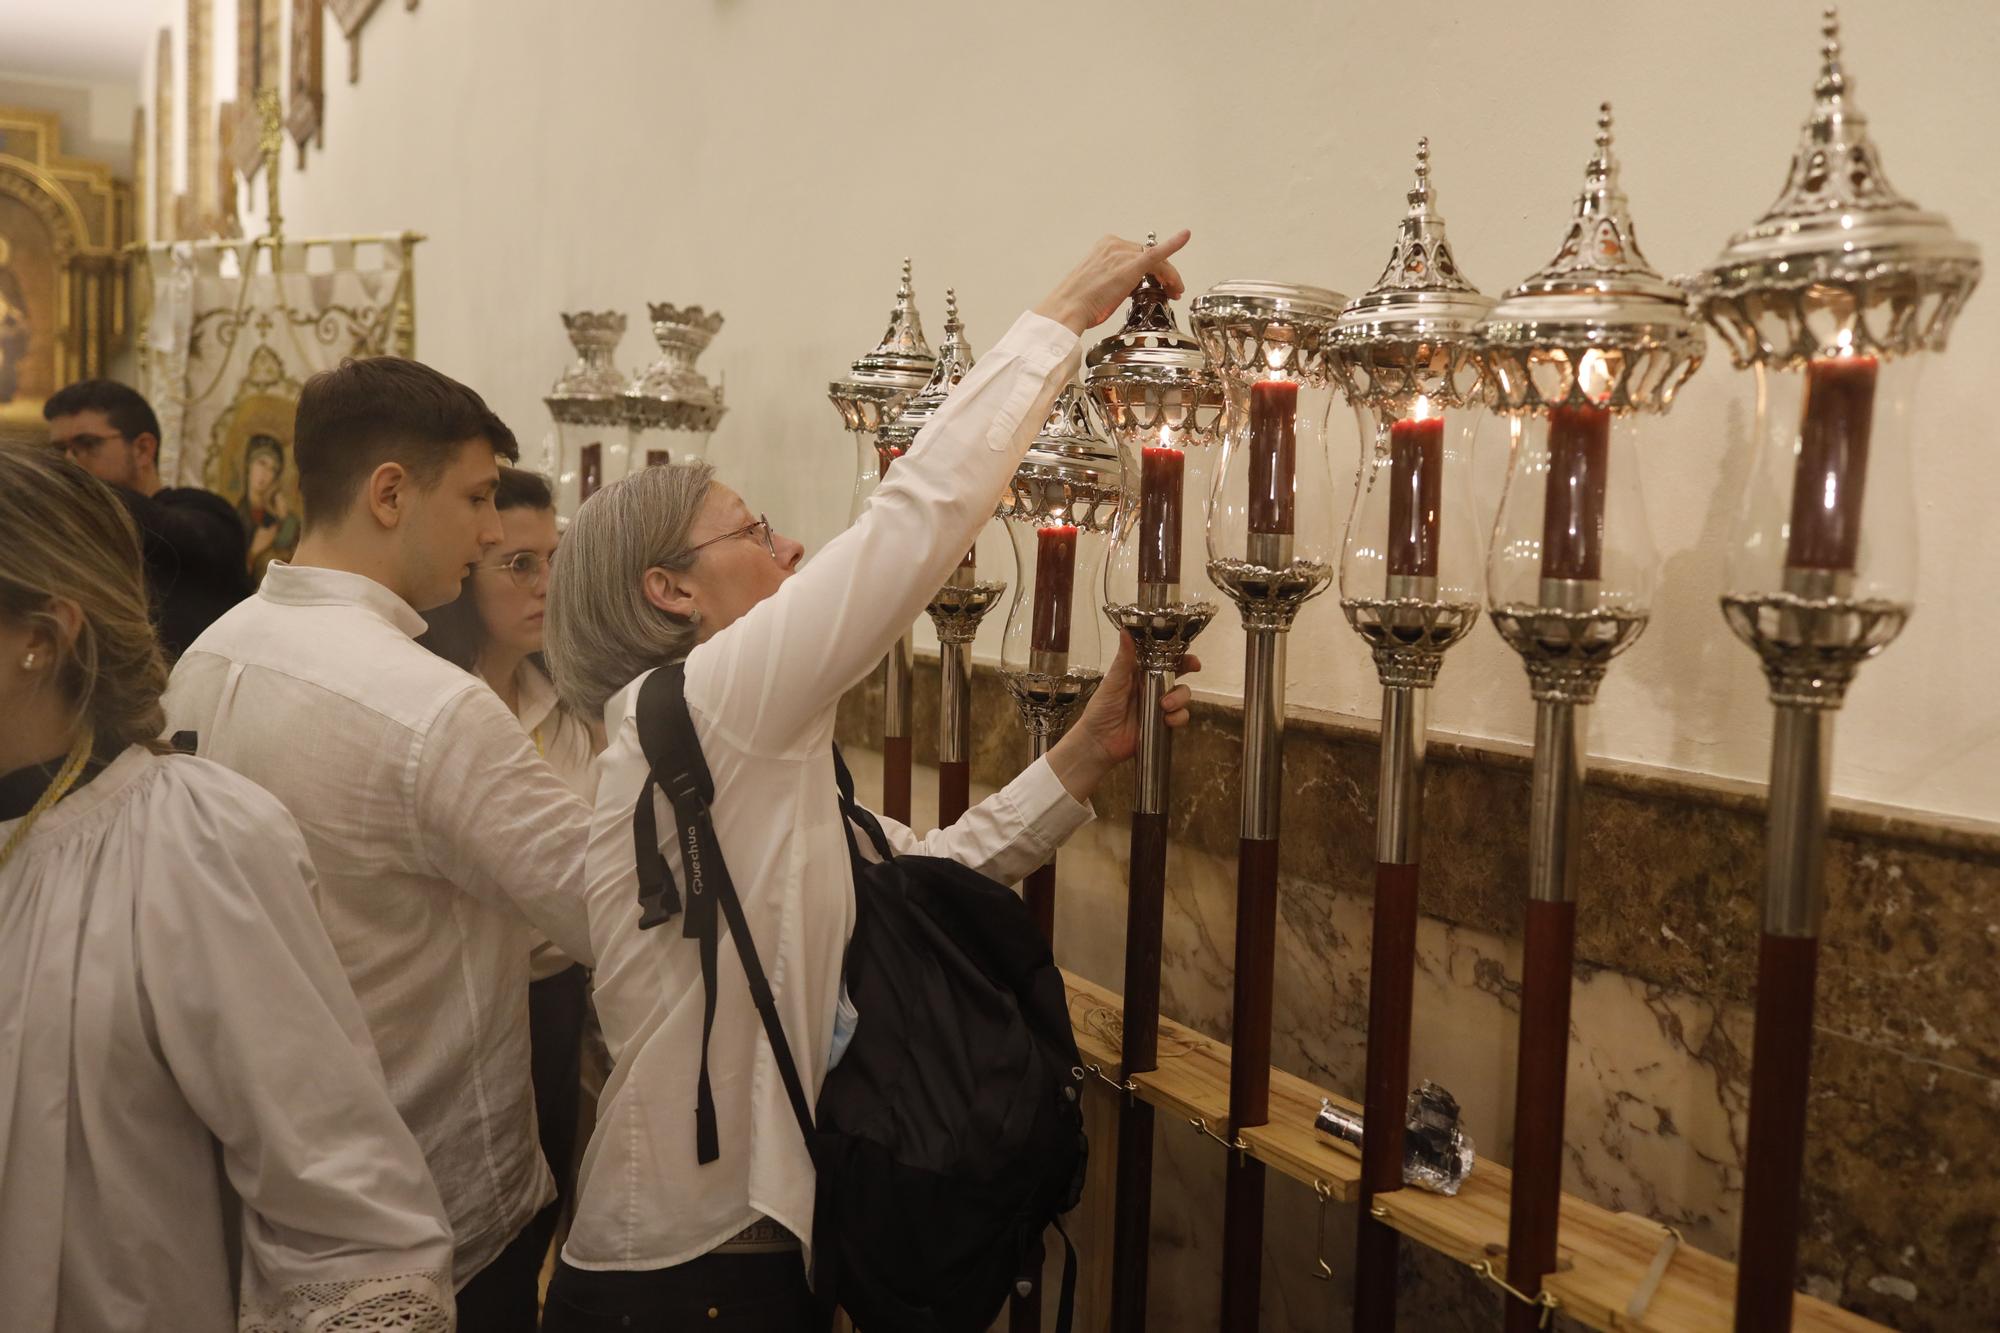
[169, 1002]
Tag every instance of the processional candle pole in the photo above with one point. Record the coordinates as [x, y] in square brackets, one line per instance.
[1410, 367]
[1832, 298]
[965, 598]
[671, 411]
[588, 405]
[1270, 548]
[871, 395]
[1163, 404]
[1058, 511]
[1574, 356]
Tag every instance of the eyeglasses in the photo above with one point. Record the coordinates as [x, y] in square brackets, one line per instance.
[761, 528]
[76, 446]
[524, 567]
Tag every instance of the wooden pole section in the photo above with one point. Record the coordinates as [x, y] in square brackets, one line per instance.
[1547, 956]
[1256, 943]
[1781, 1053]
[896, 749]
[896, 767]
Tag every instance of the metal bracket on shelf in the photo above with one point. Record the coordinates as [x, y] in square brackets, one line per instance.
[1323, 1270]
[1238, 1145]
[1548, 1303]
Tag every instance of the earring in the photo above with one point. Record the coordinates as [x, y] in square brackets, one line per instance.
[28, 662]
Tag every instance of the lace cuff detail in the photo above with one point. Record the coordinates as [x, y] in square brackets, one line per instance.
[401, 1303]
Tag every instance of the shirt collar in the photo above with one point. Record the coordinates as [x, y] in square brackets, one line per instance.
[537, 696]
[313, 585]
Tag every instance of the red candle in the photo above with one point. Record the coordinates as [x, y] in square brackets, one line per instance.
[1160, 475]
[887, 453]
[1573, 507]
[1055, 584]
[1832, 468]
[590, 472]
[658, 458]
[1273, 455]
[1416, 482]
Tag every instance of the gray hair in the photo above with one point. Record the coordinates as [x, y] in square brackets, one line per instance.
[602, 633]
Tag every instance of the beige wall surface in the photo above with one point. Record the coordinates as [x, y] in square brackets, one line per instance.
[776, 160]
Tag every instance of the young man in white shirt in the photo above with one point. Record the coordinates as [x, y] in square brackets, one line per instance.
[439, 834]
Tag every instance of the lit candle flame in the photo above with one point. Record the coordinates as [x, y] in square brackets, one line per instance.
[1593, 375]
[1421, 409]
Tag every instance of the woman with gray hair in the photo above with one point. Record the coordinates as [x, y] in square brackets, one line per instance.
[670, 564]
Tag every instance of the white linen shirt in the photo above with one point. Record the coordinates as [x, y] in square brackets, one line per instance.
[565, 740]
[169, 1004]
[763, 693]
[435, 827]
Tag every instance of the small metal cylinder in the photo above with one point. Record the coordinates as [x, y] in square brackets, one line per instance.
[1155, 744]
[955, 703]
[1400, 804]
[896, 692]
[1555, 816]
[1795, 834]
[1263, 730]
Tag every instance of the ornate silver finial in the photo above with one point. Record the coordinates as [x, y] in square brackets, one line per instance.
[1072, 473]
[953, 362]
[883, 379]
[590, 391]
[1597, 325]
[671, 394]
[1150, 377]
[1838, 226]
[1410, 334]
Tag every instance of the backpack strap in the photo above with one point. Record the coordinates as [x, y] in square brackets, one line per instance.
[676, 766]
[854, 814]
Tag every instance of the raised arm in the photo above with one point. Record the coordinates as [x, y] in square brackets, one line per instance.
[255, 1020]
[767, 677]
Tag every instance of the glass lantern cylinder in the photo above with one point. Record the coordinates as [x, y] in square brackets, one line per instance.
[1271, 547]
[670, 410]
[1834, 299]
[587, 405]
[1408, 362]
[1058, 511]
[1576, 357]
[874, 392]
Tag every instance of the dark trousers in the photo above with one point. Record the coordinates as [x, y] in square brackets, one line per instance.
[501, 1298]
[730, 1293]
[556, 1009]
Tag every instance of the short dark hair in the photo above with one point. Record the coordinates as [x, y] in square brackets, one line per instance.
[380, 409]
[122, 405]
[455, 632]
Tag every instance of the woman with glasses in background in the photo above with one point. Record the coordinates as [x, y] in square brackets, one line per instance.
[494, 630]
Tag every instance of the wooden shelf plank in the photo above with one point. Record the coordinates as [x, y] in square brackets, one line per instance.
[1603, 1255]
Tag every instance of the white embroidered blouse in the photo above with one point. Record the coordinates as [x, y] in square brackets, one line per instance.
[183, 1071]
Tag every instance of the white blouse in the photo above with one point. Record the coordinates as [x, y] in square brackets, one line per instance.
[566, 742]
[183, 1071]
[439, 836]
[763, 693]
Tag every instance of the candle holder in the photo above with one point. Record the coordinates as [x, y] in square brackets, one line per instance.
[588, 406]
[1832, 298]
[966, 597]
[1058, 512]
[1163, 404]
[1575, 356]
[1270, 548]
[670, 410]
[1409, 363]
[871, 395]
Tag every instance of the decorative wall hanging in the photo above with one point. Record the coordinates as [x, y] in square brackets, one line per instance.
[352, 16]
[203, 202]
[163, 137]
[304, 109]
[257, 65]
[63, 224]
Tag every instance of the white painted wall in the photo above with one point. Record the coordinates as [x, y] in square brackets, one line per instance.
[776, 160]
[96, 114]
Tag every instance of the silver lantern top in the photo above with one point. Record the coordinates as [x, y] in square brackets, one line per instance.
[1252, 329]
[953, 363]
[590, 392]
[882, 380]
[1151, 382]
[1597, 326]
[1412, 333]
[1841, 260]
[671, 394]
[1073, 473]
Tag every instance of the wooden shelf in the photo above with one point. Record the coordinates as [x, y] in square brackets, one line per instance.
[1604, 1256]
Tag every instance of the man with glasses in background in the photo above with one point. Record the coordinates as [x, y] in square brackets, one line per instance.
[197, 554]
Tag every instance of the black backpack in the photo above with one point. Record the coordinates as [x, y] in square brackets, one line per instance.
[950, 1135]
